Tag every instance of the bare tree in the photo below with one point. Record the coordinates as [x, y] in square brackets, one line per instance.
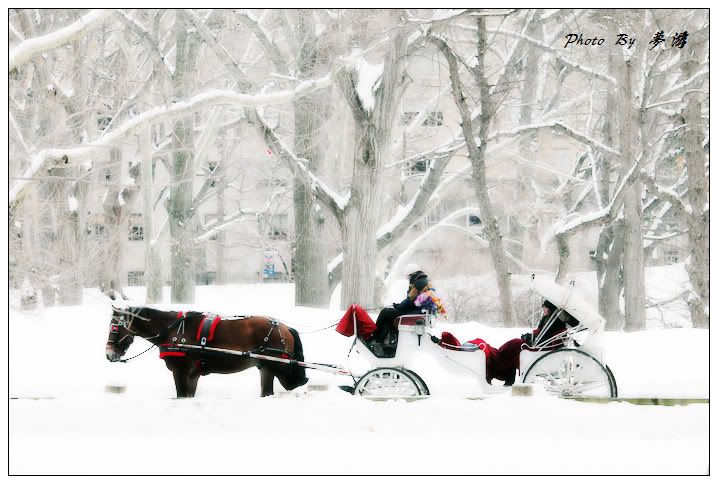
[697, 211]
[179, 204]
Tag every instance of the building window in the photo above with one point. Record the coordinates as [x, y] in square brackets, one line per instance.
[435, 118]
[671, 256]
[418, 167]
[97, 222]
[137, 230]
[135, 278]
[206, 278]
[278, 226]
[475, 222]
[408, 116]
[108, 175]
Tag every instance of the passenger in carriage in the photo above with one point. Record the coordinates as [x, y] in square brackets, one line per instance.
[505, 361]
[420, 297]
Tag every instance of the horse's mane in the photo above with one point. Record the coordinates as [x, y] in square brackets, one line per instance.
[154, 313]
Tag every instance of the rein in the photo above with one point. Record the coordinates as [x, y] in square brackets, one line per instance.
[333, 324]
[320, 329]
[139, 354]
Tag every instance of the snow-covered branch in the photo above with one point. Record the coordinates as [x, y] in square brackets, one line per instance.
[297, 165]
[683, 85]
[28, 48]
[561, 128]
[299, 168]
[666, 194]
[161, 113]
[405, 216]
[559, 57]
[403, 257]
[565, 228]
[420, 118]
[215, 226]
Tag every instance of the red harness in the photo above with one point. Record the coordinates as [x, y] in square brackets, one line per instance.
[205, 333]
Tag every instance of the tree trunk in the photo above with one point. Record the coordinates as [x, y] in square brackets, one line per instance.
[46, 237]
[362, 222]
[698, 216]
[633, 257]
[609, 251]
[182, 246]
[478, 162]
[477, 155]
[153, 269]
[362, 216]
[221, 273]
[115, 222]
[311, 287]
[523, 219]
[608, 257]
[72, 242]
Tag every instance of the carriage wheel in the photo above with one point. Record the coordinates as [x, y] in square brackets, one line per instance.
[569, 372]
[423, 389]
[613, 381]
[390, 382]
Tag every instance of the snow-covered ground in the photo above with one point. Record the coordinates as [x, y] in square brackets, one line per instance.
[62, 421]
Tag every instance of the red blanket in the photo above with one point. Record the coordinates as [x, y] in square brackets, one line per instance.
[489, 350]
[365, 325]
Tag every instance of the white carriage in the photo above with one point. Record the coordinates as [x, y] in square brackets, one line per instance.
[421, 366]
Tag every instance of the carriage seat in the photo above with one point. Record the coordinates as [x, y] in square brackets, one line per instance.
[409, 320]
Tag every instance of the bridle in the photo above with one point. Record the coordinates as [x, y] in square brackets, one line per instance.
[125, 322]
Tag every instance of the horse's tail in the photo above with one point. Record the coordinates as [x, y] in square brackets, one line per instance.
[298, 375]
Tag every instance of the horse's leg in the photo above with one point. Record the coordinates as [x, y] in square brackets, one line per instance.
[185, 383]
[180, 383]
[192, 385]
[266, 376]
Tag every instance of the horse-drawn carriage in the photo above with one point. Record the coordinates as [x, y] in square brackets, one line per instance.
[419, 364]
[575, 368]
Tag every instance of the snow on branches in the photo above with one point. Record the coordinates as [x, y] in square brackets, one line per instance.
[161, 113]
[28, 48]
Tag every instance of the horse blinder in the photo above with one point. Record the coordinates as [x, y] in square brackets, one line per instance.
[113, 350]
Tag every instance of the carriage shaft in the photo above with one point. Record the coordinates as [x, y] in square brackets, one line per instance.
[313, 366]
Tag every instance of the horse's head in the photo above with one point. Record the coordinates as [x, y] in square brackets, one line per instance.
[121, 334]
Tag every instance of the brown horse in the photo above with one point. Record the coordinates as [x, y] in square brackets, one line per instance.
[170, 331]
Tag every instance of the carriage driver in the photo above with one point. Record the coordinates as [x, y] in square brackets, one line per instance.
[388, 315]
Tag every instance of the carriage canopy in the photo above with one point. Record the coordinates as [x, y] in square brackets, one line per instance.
[570, 300]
